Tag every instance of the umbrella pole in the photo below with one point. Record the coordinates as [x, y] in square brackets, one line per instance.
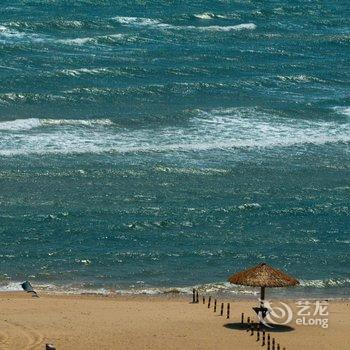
[262, 296]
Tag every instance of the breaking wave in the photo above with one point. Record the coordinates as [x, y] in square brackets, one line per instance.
[60, 24]
[9, 34]
[102, 39]
[244, 26]
[31, 123]
[155, 23]
[140, 21]
[85, 71]
[208, 16]
[332, 282]
[224, 289]
[343, 111]
[219, 129]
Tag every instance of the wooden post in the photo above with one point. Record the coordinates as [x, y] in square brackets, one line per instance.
[50, 347]
[209, 301]
[242, 319]
[203, 300]
[215, 301]
[228, 310]
[263, 338]
[268, 342]
[193, 296]
[248, 323]
[197, 297]
[222, 309]
[273, 343]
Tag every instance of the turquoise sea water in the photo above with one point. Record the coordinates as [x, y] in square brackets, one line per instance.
[151, 145]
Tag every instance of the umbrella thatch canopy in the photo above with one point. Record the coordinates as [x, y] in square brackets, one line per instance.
[263, 276]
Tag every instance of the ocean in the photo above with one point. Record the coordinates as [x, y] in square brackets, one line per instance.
[149, 146]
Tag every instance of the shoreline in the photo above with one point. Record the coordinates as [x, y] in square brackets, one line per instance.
[171, 295]
[151, 322]
[215, 289]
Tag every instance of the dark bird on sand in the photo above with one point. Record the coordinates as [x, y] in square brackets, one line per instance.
[29, 289]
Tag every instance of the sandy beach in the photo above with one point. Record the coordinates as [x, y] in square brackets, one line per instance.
[140, 322]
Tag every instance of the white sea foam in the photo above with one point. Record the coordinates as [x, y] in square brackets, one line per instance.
[332, 282]
[77, 41]
[11, 287]
[97, 39]
[140, 21]
[345, 241]
[85, 71]
[65, 23]
[343, 110]
[31, 123]
[155, 23]
[301, 78]
[20, 124]
[205, 15]
[208, 16]
[221, 129]
[238, 27]
[215, 288]
[7, 34]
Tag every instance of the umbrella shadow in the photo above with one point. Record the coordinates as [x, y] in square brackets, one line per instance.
[275, 328]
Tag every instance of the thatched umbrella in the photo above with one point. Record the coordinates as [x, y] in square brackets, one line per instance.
[263, 276]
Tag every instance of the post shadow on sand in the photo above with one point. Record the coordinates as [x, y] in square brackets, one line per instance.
[275, 328]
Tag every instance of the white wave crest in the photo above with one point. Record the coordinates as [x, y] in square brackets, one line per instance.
[31, 123]
[205, 15]
[208, 16]
[86, 71]
[20, 124]
[77, 41]
[8, 34]
[155, 23]
[67, 23]
[11, 287]
[219, 129]
[332, 282]
[343, 110]
[214, 288]
[140, 21]
[244, 26]
[93, 40]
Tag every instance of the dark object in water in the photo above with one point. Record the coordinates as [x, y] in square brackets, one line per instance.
[28, 288]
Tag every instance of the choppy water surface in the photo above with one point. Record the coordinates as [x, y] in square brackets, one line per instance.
[151, 145]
